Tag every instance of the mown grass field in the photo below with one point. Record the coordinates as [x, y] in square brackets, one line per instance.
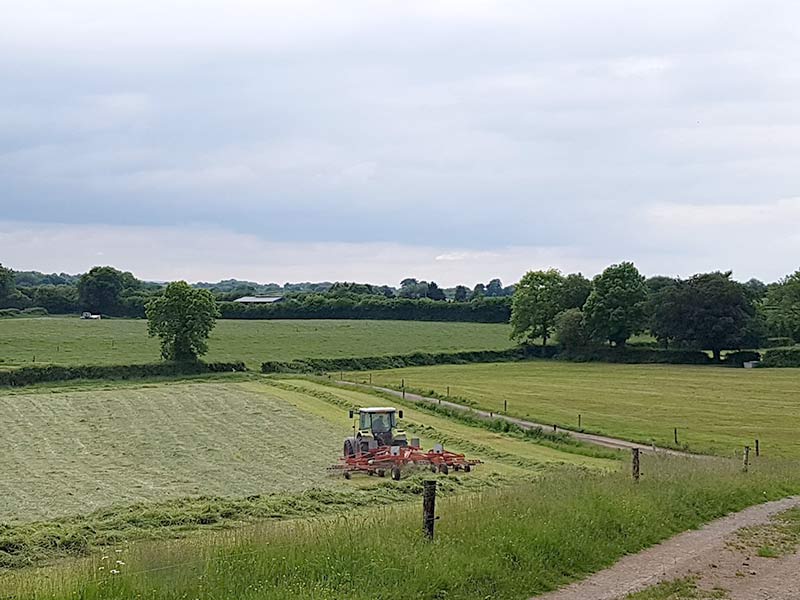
[716, 410]
[72, 341]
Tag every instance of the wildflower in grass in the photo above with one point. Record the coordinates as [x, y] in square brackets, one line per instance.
[114, 571]
[119, 562]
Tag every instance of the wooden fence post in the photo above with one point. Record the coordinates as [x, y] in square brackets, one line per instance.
[758, 450]
[370, 378]
[448, 391]
[579, 420]
[635, 463]
[428, 507]
[746, 458]
[505, 406]
[676, 436]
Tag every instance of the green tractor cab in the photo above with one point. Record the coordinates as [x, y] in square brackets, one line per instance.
[376, 426]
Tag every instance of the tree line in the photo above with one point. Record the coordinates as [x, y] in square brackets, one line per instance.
[708, 311]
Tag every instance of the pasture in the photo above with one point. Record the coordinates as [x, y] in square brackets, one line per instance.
[716, 409]
[72, 341]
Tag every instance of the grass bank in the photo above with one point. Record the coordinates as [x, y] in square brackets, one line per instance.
[508, 543]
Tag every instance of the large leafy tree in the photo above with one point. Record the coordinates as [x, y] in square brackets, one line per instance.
[99, 289]
[575, 291]
[615, 310]
[182, 318]
[461, 293]
[537, 300]
[434, 292]
[6, 282]
[709, 311]
[782, 307]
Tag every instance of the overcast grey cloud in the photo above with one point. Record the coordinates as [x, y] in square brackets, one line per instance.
[372, 140]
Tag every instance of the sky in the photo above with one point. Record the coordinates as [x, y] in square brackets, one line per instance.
[448, 140]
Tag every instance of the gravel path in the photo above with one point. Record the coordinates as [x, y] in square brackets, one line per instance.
[703, 553]
[588, 438]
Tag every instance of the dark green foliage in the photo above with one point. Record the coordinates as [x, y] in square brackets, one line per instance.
[182, 318]
[31, 375]
[6, 281]
[34, 311]
[570, 329]
[632, 355]
[615, 310]
[575, 291]
[709, 311]
[370, 363]
[321, 306]
[461, 293]
[778, 342]
[10, 312]
[737, 359]
[57, 299]
[781, 357]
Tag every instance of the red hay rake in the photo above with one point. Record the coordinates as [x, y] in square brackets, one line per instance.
[395, 459]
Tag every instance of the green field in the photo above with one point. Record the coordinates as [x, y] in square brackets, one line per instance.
[72, 341]
[78, 450]
[715, 409]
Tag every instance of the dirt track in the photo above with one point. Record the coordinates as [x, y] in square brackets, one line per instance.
[703, 553]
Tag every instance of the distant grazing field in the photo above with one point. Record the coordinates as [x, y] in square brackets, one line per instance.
[715, 409]
[70, 340]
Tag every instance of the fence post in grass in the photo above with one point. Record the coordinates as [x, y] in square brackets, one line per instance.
[448, 392]
[676, 436]
[758, 450]
[746, 458]
[428, 507]
[579, 420]
[555, 429]
[505, 406]
[403, 386]
[635, 463]
[370, 378]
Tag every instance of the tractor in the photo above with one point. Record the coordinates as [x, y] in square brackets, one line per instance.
[376, 426]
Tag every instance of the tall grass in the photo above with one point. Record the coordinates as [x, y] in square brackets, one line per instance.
[507, 543]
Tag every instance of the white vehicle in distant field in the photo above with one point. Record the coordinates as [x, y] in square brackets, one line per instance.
[88, 315]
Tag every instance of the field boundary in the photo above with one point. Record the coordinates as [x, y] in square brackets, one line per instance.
[588, 438]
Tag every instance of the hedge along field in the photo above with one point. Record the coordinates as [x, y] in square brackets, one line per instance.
[72, 341]
[715, 409]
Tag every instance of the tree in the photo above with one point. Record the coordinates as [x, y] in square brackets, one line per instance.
[494, 289]
[575, 291]
[782, 307]
[709, 311]
[461, 293]
[615, 310]
[434, 292]
[99, 290]
[536, 302]
[57, 299]
[479, 291]
[755, 289]
[183, 318]
[6, 282]
[570, 329]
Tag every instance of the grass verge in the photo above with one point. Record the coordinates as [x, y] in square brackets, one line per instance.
[500, 544]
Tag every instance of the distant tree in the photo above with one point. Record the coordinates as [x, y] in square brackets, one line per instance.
[575, 291]
[411, 288]
[755, 289]
[461, 293]
[709, 311]
[408, 281]
[57, 299]
[536, 302]
[183, 319]
[657, 282]
[615, 310]
[479, 291]
[494, 289]
[664, 307]
[100, 289]
[782, 307]
[570, 329]
[6, 282]
[434, 292]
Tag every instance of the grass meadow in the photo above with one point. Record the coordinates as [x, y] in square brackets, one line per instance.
[72, 341]
[506, 543]
[716, 409]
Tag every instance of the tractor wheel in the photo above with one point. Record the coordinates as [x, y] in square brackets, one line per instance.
[457, 467]
[433, 468]
[467, 468]
[396, 473]
[348, 449]
[347, 475]
[443, 469]
[381, 473]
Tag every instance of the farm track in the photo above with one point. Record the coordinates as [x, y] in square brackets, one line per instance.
[704, 554]
[588, 438]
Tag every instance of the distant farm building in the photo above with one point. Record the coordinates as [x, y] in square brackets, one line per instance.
[259, 299]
